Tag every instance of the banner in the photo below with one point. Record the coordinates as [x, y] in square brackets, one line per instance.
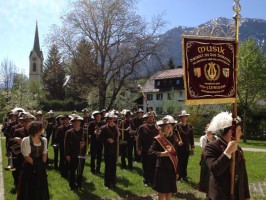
[209, 70]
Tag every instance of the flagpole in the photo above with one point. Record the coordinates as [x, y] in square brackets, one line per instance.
[237, 16]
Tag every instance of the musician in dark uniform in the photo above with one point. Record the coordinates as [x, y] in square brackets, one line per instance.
[103, 114]
[60, 139]
[136, 122]
[13, 120]
[164, 150]
[126, 146]
[15, 142]
[109, 135]
[96, 146]
[59, 122]
[186, 133]
[218, 159]
[75, 151]
[33, 182]
[146, 134]
[51, 121]
[86, 118]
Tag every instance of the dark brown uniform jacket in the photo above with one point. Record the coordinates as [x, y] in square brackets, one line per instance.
[72, 143]
[219, 165]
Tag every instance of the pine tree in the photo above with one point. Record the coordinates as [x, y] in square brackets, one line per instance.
[54, 75]
[170, 64]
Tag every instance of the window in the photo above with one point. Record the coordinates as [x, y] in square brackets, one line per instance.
[177, 82]
[170, 96]
[159, 109]
[159, 96]
[158, 83]
[34, 67]
[149, 97]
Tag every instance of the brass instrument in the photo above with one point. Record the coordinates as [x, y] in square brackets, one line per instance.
[10, 166]
[82, 157]
[85, 131]
[16, 149]
[122, 141]
[180, 142]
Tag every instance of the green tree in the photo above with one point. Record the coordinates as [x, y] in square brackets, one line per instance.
[251, 78]
[171, 64]
[54, 74]
[122, 41]
[83, 70]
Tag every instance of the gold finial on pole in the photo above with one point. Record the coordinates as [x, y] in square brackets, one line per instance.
[237, 6]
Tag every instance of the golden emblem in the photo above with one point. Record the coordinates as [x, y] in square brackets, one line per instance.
[169, 148]
[212, 71]
[197, 72]
[226, 72]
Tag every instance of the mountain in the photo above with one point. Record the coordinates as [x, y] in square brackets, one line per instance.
[255, 28]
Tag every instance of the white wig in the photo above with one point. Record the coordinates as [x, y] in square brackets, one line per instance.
[221, 121]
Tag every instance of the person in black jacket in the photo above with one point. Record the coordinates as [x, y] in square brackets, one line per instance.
[75, 151]
[96, 146]
[164, 150]
[218, 158]
[186, 133]
[60, 139]
[146, 133]
[109, 135]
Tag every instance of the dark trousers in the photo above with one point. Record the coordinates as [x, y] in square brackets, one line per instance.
[76, 168]
[63, 164]
[137, 157]
[17, 163]
[127, 151]
[148, 166]
[182, 163]
[96, 154]
[56, 150]
[110, 170]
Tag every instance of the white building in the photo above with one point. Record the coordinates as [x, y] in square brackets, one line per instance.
[164, 90]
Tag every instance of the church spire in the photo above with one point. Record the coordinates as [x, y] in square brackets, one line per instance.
[36, 45]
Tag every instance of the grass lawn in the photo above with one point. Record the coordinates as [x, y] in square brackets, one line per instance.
[130, 184]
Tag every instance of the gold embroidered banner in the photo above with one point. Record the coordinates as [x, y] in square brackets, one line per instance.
[209, 70]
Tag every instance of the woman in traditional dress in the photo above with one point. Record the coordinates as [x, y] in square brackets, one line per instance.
[164, 149]
[204, 172]
[33, 183]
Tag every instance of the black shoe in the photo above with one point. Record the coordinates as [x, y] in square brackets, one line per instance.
[74, 187]
[185, 179]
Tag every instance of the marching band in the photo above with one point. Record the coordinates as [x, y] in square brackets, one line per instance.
[162, 146]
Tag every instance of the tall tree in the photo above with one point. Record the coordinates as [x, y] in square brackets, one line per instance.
[7, 73]
[83, 71]
[54, 74]
[251, 77]
[122, 41]
[171, 64]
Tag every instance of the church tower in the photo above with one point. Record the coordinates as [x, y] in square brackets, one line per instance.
[36, 59]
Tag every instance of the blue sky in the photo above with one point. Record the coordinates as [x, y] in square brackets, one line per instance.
[18, 19]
